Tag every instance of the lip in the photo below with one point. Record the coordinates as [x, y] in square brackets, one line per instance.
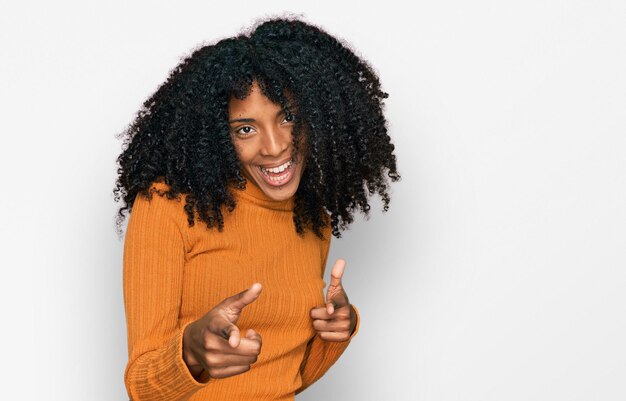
[275, 165]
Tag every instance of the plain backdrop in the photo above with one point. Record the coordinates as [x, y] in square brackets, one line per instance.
[498, 272]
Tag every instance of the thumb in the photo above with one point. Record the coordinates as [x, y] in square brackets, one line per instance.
[233, 305]
[234, 338]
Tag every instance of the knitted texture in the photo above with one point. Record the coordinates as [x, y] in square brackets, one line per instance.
[174, 274]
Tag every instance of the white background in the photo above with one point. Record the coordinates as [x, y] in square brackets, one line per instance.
[499, 271]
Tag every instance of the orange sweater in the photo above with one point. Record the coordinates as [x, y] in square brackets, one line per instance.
[174, 274]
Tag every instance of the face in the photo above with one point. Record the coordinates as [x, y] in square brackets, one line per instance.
[261, 133]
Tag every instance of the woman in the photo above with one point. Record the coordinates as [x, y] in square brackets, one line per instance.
[258, 148]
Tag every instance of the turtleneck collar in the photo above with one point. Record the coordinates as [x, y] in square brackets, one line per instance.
[255, 195]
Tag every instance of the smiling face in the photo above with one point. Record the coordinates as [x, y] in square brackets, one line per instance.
[261, 133]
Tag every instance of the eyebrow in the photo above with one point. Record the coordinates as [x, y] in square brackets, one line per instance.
[251, 120]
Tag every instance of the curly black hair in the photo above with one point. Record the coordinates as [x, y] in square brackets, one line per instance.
[181, 134]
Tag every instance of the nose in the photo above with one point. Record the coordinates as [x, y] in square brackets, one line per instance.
[275, 141]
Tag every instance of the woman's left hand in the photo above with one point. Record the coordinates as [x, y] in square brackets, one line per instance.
[337, 319]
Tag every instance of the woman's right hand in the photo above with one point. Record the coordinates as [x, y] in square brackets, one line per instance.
[213, 343]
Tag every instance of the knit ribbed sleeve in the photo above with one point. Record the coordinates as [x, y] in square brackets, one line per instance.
[154, 256]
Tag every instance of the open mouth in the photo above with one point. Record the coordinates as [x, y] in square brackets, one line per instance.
[279, 175]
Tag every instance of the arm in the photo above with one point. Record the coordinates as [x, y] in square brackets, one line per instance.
[320, 354]
[154, 256]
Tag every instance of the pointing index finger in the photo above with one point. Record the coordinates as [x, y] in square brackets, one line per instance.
[335, 288]
[337, 272]
[237, 302]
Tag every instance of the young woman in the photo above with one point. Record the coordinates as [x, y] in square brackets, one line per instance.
[237, 172]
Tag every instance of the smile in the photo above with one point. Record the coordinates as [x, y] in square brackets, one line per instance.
[279, 175]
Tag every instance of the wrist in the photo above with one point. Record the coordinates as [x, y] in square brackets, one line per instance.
[194, 368]
[190, 361]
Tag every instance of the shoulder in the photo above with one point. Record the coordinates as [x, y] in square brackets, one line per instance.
[155, 213]
[158, 202]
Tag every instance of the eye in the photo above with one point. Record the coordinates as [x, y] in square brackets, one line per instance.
[244, 131]
[290, 118]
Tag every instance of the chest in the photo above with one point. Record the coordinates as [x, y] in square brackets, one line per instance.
[289, 267]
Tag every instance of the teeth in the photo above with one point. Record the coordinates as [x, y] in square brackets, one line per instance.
[278, 169]
[277, 179]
